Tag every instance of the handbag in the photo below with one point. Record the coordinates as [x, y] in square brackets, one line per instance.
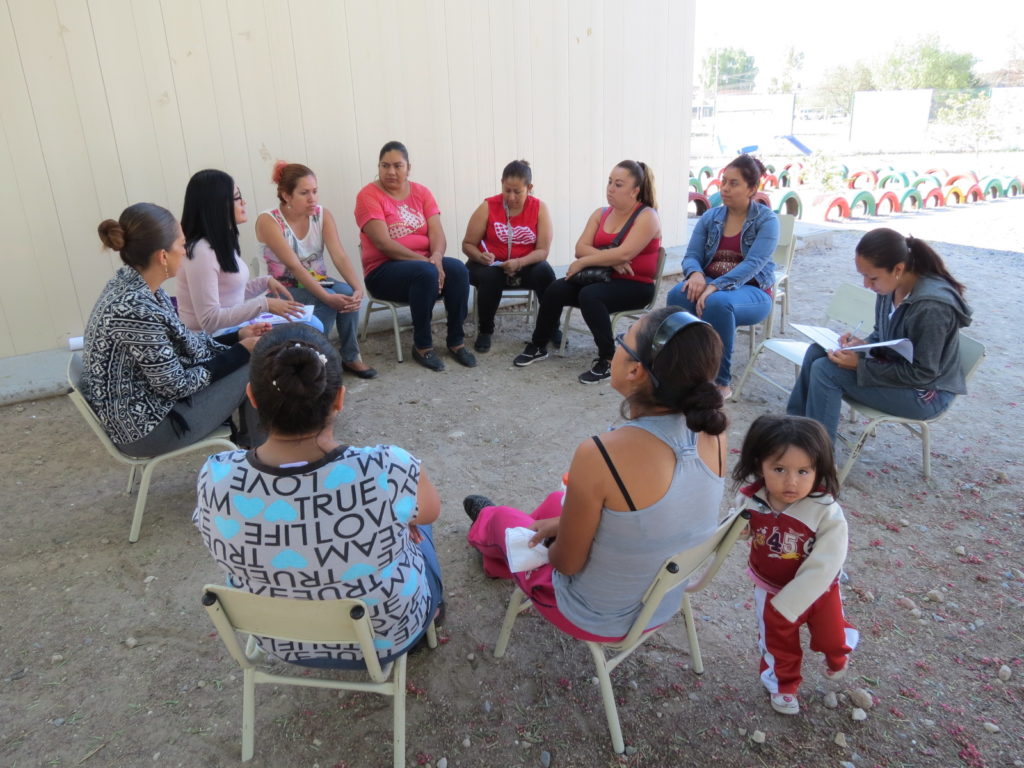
[591, 275]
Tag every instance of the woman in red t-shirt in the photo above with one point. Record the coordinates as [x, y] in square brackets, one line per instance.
[507, 242]
[403, 248]
[634, 260]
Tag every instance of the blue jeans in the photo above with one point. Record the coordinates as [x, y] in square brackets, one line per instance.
[415, 283]
[724, 310]
[433, 573]
[346, 322]
[819, 389]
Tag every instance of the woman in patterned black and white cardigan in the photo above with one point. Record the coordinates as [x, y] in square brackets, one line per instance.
[154, 384]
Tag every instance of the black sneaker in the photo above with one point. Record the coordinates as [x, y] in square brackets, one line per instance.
[599, 371]
[483, 342]
[473, 505]
[530, 355]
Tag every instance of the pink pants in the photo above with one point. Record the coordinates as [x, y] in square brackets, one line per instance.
[487, 535]
[781, 655]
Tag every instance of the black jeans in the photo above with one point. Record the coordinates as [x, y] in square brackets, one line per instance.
[491, 281]
[596, 302]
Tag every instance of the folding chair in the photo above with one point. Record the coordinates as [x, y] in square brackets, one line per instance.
[307, 621]
[384, 305]
[512, 300]
[676, 570]
[971, 355]
[783, 258]
[850, 305]
[631, 313]
[217, 440]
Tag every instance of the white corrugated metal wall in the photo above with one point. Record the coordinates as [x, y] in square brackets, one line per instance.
[109, 102]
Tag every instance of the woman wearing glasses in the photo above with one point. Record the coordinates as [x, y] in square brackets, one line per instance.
[645, 491]
[215, 293]
[507, 241]
[294, 236]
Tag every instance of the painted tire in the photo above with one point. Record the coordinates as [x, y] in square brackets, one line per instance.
[788, 202]
[705, 172]
[701, 203]
[784, 180]
[769, 168]
[715, 199]
[894, 176]
[841, 207]
[842, 169]
[938, 171]
[974, 194]
[1013, 186]
[927, 179]
[863, 198]
[770, 181]
[934, 196]
[712, 184]
[992, 188]
[889, 201]
[970, 177]
[911, 200]
[955, 196]
[871, 176]
[761, 197]
[695, 185]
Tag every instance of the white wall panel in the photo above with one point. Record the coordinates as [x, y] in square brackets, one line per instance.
[108, 102]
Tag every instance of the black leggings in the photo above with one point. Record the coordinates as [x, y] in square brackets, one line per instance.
[596, 302]
[491, 281]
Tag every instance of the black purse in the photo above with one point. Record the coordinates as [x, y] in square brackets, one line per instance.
[591, 275]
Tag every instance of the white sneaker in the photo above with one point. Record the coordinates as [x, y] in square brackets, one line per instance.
[837, 674]
[785, 704]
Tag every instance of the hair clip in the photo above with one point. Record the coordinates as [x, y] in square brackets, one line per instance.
[323, 358]
[274, 385]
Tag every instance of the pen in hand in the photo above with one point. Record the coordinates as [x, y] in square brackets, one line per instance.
[852, 334]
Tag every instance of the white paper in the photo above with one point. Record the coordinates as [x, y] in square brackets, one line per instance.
[269, 317]
[829, 339]
[521, 556]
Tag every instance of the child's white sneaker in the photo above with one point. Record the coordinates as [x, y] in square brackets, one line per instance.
[837, 674]
[785, 704]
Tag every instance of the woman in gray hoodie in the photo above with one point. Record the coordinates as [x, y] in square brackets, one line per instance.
[918, 299]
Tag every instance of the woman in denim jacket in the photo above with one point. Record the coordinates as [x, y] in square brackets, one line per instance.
[728, 264]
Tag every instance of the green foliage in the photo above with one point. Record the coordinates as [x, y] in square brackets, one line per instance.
[840, 83]
[964, 121]
[926, 64]
[789, 80]
[729, 69]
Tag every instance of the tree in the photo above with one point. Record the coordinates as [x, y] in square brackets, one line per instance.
[840, 83]
[729, 69]
[926, 64]
[789, 80]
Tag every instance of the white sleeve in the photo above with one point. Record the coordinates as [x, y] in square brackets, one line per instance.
[821, 567]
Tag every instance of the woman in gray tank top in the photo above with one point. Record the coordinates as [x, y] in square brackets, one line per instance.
[645, 491]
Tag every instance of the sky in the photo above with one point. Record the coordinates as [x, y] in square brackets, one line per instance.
[830, 33]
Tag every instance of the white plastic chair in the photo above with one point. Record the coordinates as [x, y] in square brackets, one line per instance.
[514, 301]
[783, 258]
[850, 306]
[680, 568]
[972, 353]
[306, 621]
[631, 313]
[218, 440]
[380, 305]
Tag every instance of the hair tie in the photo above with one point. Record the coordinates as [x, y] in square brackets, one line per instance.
[319, 355]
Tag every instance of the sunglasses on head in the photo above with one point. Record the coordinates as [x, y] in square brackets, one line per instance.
[667, 330]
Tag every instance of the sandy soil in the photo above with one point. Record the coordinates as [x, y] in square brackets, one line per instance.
[76, 691]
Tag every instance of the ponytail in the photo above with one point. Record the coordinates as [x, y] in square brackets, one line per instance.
[885, 248]
[644, 178]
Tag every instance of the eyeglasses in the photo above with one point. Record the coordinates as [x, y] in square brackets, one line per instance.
[621, 341]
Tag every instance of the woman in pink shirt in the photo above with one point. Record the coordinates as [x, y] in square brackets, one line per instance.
[214, 290]
[403, 248]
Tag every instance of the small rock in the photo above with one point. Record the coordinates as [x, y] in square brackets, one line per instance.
[594, 681]
[1018, 574]
[906, 602]
[545, 758]
[317, 743]
[935, 596]
[104, 540]
[830, 700]
[868, 596]
[915, 612]
[149, 580]
[57, 659]
[840, 739]
[960, 550]
[630, 751]
[1004, 673]
[442, 762]
[58, 721]
[466, 742]
[991, 727]
[202, 684]
[743, 731]
[758, 737]
[861, 698]
[456, 434]
[130, 641]
[846, 764]
[858, 714]
[904, 522]
[488, 706]
[470, 656]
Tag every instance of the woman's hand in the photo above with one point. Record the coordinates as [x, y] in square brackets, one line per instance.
[341, 303]
[415, 534]
[573, 268]
[546, 529]
[275, 288]
[252, 331]
[437, 259]
[695, 285]
[511, 266]
[624, 269]
[702, 299]
[849, 340]
[844, 359]
[290, 310]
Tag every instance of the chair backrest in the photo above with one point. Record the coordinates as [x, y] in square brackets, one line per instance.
[852, 305]
[304, 621]
[783, 255]
[659, 271]
[971, 354]
[76, 396]
[705, 558]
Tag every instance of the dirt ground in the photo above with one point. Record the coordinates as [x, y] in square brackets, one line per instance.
[107, 658]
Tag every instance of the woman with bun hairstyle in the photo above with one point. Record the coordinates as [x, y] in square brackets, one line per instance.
[294, 236]
[213, 289]
[635, 496]
[403, 247]
[318, 519]
[624, 236]
[918, 299]
[728, 264]
[507, 242]
[154, 384]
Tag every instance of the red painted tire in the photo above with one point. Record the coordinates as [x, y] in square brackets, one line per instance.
[939, 171]
[889, 201]
[970, 177]
[974, 194]
[934, 196]
[700, 202]
[841, 206]
[713, 184]
[770, 181]
[871, 176]
[761, 197]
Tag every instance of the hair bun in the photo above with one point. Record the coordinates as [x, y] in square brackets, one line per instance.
[278, 171]
[111, 234]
